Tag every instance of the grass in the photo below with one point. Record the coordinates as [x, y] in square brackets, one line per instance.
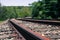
[1, 21]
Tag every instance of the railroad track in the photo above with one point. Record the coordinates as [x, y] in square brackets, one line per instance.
[27, 29]
[38, 29]
[8, 32]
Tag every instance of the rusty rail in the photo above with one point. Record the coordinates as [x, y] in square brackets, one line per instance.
[20, 37]
[51, 22]
[27, 33]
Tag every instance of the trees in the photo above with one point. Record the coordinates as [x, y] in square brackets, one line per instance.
[8, 12]
[25, 12]
[58, 8]
[44, 9]
[0, 10]
[48, 9]
[37, 6]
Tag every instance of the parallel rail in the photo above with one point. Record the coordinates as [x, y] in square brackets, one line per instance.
[51, 22]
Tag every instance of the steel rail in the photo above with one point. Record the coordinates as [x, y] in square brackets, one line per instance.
[27, 33]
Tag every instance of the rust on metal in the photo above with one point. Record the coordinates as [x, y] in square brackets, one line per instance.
[8, 32]
[30, 31]
[32, 20]
[19, 36]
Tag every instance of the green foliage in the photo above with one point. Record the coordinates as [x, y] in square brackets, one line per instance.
[46, 9]
[8, 12]
[36, 8]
